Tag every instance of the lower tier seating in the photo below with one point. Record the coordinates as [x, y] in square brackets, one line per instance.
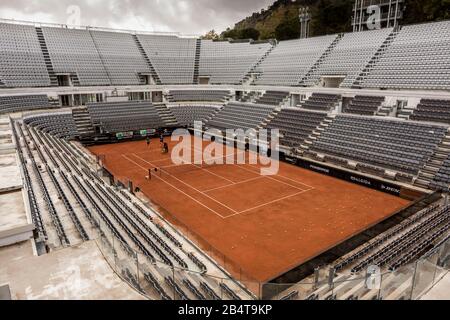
[237, 115]
[10, 104]
[364, 105]
[321, 102]
[125, 116]
[60, 125]
[295, 125]
[398, 145]
[274, 98]
[187, 114]
[432, 111]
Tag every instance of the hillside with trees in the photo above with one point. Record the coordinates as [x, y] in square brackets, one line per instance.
[280, 21]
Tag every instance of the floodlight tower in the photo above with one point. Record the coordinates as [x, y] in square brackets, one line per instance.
[305, 18]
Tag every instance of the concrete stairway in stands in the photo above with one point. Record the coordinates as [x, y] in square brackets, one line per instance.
[307, 80]
[248, 79]
[166, 115]
[48, 61]
[198, 48]
[373, 61]
[83, 122]
[316, 134]
[154, 74]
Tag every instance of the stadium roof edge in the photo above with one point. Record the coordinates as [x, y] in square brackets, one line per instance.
[65, 26]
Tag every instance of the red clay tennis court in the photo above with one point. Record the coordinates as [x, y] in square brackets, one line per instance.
[261, 226]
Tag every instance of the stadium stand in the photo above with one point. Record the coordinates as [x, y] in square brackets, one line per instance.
[397, 145]
[229, 63]
[60, 125]
[198, 95]
[416, 59]
[295, 125]
[432, 111]
[274, 98]
[402, 243]
[73, 52]
[68, 200]
[321, 102]
[365, 105]
[350, 56]
[237, 115]
[291, 60]
[187, 114]
[442, 179]
[125, 116]
[11, 104]
[121, 57]
[173, 58]
[21, 60]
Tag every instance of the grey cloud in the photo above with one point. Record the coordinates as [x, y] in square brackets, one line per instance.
[185, 16]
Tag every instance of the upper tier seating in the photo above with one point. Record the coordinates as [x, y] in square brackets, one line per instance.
[125, 116]
[198, 95]
[238, 115]
[10, 104]
[173, 58]
[291, 60]
[121, 57]
[229, 63]
[187, 114]
[274, 98]
[321, 102]
[295, 125]
[432, 110]
[398, 145]
[364, 105]
[351, 55]
[418, 58]
[60, 125]
[74, 52]
[21, 60]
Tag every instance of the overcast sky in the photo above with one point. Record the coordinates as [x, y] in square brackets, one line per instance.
[185, 16]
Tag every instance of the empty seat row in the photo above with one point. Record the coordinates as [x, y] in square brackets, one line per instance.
[11, 104]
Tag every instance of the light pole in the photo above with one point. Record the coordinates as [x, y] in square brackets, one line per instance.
[305, 18]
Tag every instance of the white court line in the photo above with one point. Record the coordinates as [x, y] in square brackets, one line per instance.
[269, 177]
[231, 185]
[199, 202]
[268, 203]
[214, 174]
[188, 185]
[278, 175]
[272, 178]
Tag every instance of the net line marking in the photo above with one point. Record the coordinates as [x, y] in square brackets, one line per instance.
[200, 166]
[301, 191]
[171, 185]
[188, 185]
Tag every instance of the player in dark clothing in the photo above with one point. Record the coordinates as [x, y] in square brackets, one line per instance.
[165, 148]
[148, 142]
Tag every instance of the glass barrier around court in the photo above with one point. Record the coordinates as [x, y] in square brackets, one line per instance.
[157, 280]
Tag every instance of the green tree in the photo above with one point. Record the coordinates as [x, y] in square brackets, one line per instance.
[249, 33]
[288, 30]
[230, 33]
[210, 35]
